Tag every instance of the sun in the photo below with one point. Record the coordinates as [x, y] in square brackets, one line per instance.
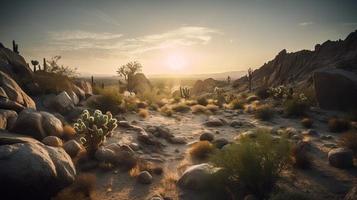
[176, 62]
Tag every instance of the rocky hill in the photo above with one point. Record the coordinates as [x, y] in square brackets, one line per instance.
[298, 67]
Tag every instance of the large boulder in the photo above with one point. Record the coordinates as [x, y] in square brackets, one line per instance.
[139, 84]
[341, 158]
[12, 97]
[7, 118]
[206, 86]
[37, 124]
[63, 102]
[197, 177]
[85, 86]
[32, 170]
[335, 88]
[15, 66]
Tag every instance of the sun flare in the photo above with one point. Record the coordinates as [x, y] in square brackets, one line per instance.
[176, 62]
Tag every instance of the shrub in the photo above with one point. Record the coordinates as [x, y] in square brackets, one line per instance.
[264, 112]
[109, 100]
[338, 125]
[52, 83]
[201, 150]
[81, 189]
[68, 132]
[300, 157]
[94, 129]
[143, 113]
[307, 122]
[263, 93]
[181, 107]
[213, 108]
[349, 140]
[202, 101]
[295, 107]
[254, 163]
[166, 110]
[237, 104]
[197, 109]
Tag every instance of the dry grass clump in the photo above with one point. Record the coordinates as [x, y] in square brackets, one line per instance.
[181, 107]
[296, 107]
[143, 113]
[213, 108]
[349, 140]
[162, 102]
[198, 109]
[338, 125]
[307, 122]
[145, 166]
[264, 112]
[201, 150]
[191, 102]
[68, 132]
[237, 104]
[168, 187]
[300, 156]
[109, 100]
[166, 110]
[82, 189]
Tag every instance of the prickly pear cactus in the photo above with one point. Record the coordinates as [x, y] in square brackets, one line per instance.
[94, 129]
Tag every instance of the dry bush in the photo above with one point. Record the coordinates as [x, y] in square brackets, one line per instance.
[199, 109]
[181, 107]
[296, 107]
[143, 113]
[162, 102]
[52, 83]
[145, 166]
[264, 112]
[300, 156]
[349, 140]
[82, 189]
[339, 125]
[213, 108]
[307, 122]
[201, 150]
[237, 104]
[202, 101]
[109, 100]
[68, 132]
[166, 110]
[191, 102]
[168, 187]
[263, 93]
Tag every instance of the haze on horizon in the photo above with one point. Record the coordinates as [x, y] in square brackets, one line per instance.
[171, 37]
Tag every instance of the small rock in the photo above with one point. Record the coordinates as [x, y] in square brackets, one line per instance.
[52, 141]
[144, 177]
[310, 132]
[213, 122]
[296, 137]
[330, 145]
[236, 123]
[178, 140]
[72, 147]
[124, 124]
[341, 158]
[207, 136]
[104, 154]
[326, 137]
[220, 142]
[134, 146]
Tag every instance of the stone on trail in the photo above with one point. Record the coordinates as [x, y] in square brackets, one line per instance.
[341, 158]
[144, 177]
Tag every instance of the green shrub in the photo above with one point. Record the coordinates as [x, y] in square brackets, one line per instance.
[253, 163]
[339, 125]
[202, 101]
[108, 100]
[94, 129]
[237, 104]
[296, 107]
[264, 112]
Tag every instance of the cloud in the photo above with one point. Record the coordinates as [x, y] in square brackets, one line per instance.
[183, 36]
[306, 23]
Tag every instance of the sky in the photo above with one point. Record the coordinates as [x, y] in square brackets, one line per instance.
[171, 36]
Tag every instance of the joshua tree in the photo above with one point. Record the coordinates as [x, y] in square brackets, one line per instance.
[34, 63]
[15, 47]
[185, 92]
[250, 77]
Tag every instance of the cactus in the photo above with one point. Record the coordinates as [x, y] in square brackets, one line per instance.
[34, 63]
[250, 78]
[94, 129]
[92, 80]
[185, 92]
[44, 64]
[15, 47]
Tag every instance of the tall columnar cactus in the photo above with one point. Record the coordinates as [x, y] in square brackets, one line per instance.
[44, 64]
[250, 78]
[92, 81]
[94, 129]
[185, 92]
[15, 47]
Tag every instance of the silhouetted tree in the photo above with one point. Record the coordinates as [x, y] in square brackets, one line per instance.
[250, 78]
[34, 63]
[129, 69]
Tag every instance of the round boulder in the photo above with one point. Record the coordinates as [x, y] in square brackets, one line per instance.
[207, 136]
[52, 141]
[341, 158]
[72, 147]
[144, 177]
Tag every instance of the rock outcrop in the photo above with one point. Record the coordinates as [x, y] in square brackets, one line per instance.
[12, 97]
[335, 88]
[139, 84]
[205, 86]
[297, 67]
[32, 170]
[7, 119]
[37, 124]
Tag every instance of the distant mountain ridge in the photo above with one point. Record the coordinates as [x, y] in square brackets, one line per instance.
[297, 67]
[217, 76]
